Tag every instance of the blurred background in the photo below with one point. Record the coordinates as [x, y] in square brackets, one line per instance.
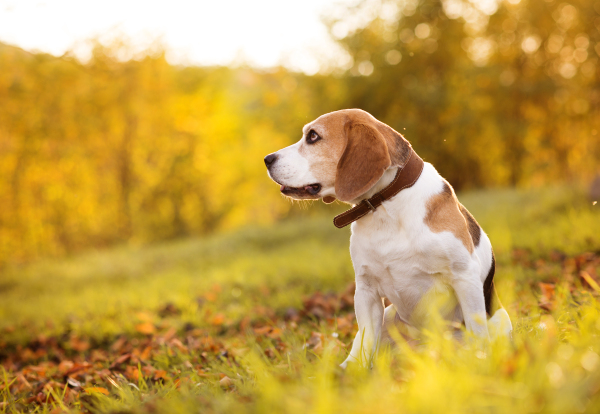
[122, 122]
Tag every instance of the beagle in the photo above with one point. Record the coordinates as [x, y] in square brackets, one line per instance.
[412, 242]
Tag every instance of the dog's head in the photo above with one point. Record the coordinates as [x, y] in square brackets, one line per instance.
[341, 155]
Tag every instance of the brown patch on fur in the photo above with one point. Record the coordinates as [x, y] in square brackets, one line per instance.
[443, 214]
[474, 228]
[398, 146]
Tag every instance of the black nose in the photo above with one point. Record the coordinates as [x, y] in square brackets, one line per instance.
[270, 159]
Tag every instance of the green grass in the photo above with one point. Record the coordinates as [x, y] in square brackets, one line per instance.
[225, 291]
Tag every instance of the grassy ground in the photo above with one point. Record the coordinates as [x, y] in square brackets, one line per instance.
[258, 320]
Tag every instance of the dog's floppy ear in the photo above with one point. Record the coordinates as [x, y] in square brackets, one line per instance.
[363, 162]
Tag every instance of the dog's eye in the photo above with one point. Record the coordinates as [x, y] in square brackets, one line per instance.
[312, 137]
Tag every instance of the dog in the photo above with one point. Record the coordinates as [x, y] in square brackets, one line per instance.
[411, 240]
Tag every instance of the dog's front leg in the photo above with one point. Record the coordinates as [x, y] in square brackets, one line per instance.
[368, 306]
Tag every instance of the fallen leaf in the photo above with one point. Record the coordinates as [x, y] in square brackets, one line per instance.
[275, 333]
[23, 381]
[547, 290]
[101, 390]
[262, 330]
[315, 342]
[77, 368]
[145, 355]
[118, 344]
[79, 344]
[123, 358]
[225, 381]
[169, 334]
[65, 366]
[132, 373]
[218, 319]
[146, 328]
[160, 374]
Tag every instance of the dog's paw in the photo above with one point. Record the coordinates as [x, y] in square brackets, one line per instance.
[355, 363]
[349, 361]
[499, 325]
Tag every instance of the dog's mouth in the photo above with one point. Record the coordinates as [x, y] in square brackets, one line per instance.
[308, 191]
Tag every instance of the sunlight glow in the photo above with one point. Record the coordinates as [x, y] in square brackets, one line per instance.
[262, 32]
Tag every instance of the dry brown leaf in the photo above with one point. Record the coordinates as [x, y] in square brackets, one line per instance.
[78, 368]
[145, 355]
[160, 374]
[275, 333]
[24, 382]
[146, 328]
[118, 344]
[218, 319]
[169, 334]
[123, 358]
[315, 342]
[79, 344]
[225, 381]
[65, 366]
[132, 373]
[547, 290]
[262, 330]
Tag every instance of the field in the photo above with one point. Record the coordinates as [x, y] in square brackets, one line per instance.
[258, 320]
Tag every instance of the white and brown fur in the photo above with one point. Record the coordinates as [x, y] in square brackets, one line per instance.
[420, 245]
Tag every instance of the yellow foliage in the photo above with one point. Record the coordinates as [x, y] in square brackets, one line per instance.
[138, 150]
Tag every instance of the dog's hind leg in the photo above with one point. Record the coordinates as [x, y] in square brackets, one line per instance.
[394, 329]
[389, 331]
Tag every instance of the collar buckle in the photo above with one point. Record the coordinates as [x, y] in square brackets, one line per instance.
[369, 205]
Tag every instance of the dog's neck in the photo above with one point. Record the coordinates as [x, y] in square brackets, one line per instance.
[385, 180]
[385, 189]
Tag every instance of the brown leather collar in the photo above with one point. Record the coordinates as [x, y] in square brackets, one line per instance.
[406, 177]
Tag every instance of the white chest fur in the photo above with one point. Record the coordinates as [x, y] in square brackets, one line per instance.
[400, 258]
